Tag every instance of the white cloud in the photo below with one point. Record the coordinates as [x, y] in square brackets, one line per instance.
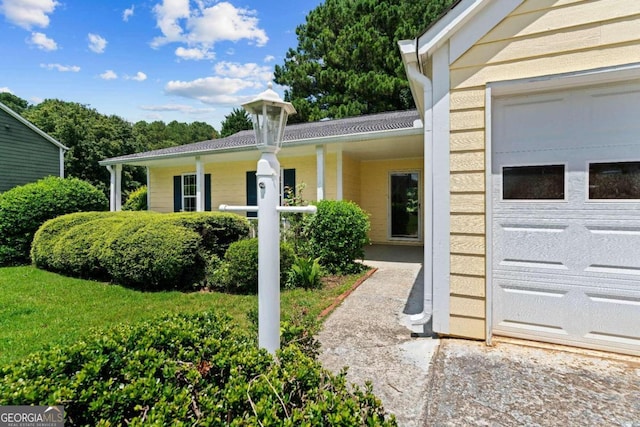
[194, 53]
[269, 58]
[109, 75]
[61, 68]
[5, 89]
[128, 13]
[43, 42]
[212, 90]
[97, 43]
[139, 77]
[203, 26]
[231, 51]
[28, 13]
[168, 13]
[243, 71]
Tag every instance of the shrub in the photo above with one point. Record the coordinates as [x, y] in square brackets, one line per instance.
[43, 253]
[186, 370]
[136, 200]
[305, 273]
[337, 234]
[241, 266]
[25, 208]
[140, 249]
[147, 254]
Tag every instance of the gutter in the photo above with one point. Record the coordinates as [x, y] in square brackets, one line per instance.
[419, 81]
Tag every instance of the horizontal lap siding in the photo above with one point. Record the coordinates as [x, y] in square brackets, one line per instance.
[541, 37]
[228, 181]
[26, 156]
[374, 196]
[350, 179]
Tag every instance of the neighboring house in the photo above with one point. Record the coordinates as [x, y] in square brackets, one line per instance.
[28, 153]
[532, 144]
[375, 161]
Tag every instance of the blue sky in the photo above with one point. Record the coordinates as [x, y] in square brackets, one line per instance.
[146, 60]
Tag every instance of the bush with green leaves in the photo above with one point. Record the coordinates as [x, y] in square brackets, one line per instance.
[144, 250]
[25, 208]
[337, 235]
[136, 200]
[238, 273]
[187, 370]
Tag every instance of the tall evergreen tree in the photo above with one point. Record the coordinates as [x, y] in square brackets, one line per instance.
[347, 61]
[234, 122]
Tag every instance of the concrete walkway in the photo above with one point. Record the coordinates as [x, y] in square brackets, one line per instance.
[425, 381]
[369, 333]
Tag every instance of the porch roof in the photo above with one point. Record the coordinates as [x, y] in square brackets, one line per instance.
[339, 130]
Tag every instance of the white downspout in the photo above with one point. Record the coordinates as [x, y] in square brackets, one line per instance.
[427, 92]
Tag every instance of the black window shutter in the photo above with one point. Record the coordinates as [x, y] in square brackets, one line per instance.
[289, 180]
[252, 195]
[177, 193]
[207, 192]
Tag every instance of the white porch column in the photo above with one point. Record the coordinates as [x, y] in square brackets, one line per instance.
[199, 185]
[339, 192]
[61, 163]
[320, 152]
[115, 188]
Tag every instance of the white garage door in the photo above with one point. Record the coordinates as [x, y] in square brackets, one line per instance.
[566, 217]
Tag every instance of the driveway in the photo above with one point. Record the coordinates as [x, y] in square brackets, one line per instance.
[426, 381]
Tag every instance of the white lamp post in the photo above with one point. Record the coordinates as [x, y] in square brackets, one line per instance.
[269, 114]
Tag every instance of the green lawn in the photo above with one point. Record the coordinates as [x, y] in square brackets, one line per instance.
[38, 308]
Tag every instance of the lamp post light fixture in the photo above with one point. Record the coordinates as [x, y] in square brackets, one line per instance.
[269, 115]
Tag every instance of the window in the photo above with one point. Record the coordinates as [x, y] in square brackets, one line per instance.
[544, 182]
[617, 180]
[189, 192]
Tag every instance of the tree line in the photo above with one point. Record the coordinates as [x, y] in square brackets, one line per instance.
[346, 63]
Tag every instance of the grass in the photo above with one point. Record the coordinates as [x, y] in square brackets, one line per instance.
[39, 308]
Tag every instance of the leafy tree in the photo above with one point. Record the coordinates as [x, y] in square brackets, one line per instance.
[347, 60]
[234, 122]
[91, 137]
[14, 102]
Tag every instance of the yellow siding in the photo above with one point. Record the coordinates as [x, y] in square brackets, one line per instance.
[541, 37]
[350, 179]
[374, 194]
[330, 176]
[229, 182]
[305, 173]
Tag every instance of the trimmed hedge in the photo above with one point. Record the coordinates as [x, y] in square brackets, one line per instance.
[25, 208]
[145, 250]
[337, 235]
[187, 370]
[238, 272]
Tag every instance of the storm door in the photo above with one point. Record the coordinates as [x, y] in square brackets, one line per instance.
[405, 205]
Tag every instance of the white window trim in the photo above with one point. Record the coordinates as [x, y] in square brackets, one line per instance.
[184, 197]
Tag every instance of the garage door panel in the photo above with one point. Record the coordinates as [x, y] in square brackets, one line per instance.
[567, 270]
[610, 109]
[541, 108]
[573, 313]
